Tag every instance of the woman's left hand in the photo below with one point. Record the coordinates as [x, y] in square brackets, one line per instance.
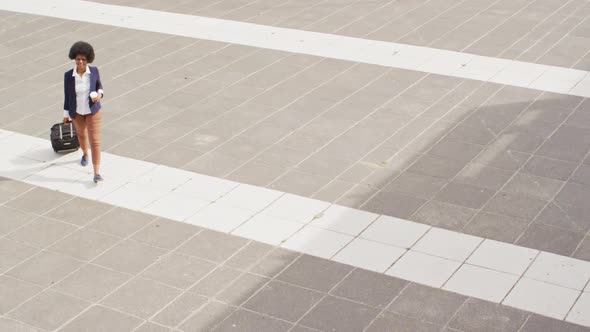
[97, 99]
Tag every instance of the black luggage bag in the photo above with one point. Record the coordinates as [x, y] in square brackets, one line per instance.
[64, 137]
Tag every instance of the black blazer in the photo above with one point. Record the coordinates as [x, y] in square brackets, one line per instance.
[70, 91]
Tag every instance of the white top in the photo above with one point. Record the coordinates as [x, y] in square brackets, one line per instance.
[82, 92]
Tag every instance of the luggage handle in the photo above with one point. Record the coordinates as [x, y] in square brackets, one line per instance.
[61, 135]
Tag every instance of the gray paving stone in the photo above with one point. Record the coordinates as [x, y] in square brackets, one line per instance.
[552, 239]
[129, 257]
[283, 301]
[14, 292]
[370, 288]
[443, 215]
[121, 222]
[427, 304]
[151, 327]
[91, 282]
[515, 205]
[79, 211]
[9, 189]
[501, 158]
[464, 195]
[571, 217]
[241, 289]
[180, 309]
[583, 250]
[99, 318]
[573, 194]
[455, 150]
[213, 246]
[39, 200]
[13, 219]
[417, 185]
[535, 186]
[314, 273]
[12, 325]
[478, 315]
[13, 252]
[550, 168]
[141, 297]
[483, 176]
[180, 271]
[44, 268]
[216, 281]
[341, 315]
[164, 233]
[389, 321]
[299, 183]
[496, 227]
[393, 204]
[49, 310]
[273, 263]
[251, 322]
[84, 244]
[42, 232]
[581, 175]
[208, 317]
[436, 166]
[249, 255]
[542, 323]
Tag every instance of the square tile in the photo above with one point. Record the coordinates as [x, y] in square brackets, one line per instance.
[129, 257]
[540, 323]
[295, 208]
[133, 196]
[479, 315]
[542, 298]
[241, 289]
[427, 304]
[207, 187]
[42, 232]
[180, 309]
[422, 268]
[84, 244]
[91, 282]
[394, 231]
[389, 321]
[249, 255]
[314, 273]
[563, 271]
[213, 246]
[49, 310]
[166, 234]
[207, 317]
[99, 318]
[216, 281]
[447, 244]
[317, 242]
[121, 222]
[118, 167]
[163, 177]
[79, 211]
[175, 206]
[18, 168]
[180, 271]
[341, 315]
[444, 215]
[464, 195]
[38, 200]
[580, 313]
[267, 229]
[370, 288]
[502, 257]
[45, 268]
[344, 220]
[141, 298]
[553, 239]
[14, 292]
[515, 205]
[54, 177]
[220, 217]
[250, 321]
[496, 227]
[13, 252]
[86, 188]
[274, 262]
[393, 204]
[535, 186]
[250, 197]
[481, 283]
[284, 301]
[374, 256]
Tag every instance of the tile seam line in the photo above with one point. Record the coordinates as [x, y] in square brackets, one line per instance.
[295, 45]
[203, 228]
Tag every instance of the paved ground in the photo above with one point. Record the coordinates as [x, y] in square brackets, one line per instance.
[495, 161]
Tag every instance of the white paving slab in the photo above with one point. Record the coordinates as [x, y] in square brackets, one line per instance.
[175, 206]
[458, 64]
[317, 242]
[164, 177]
[447, 244]
[395, 231]
[267, 229]
[296, 208]
[503, 257]
[369, 255]
[220, 217]
[424, 269]
[542, 298]
[560, 270]
[55, 177]
[481, 283]
[580, 313]
[344, 220]
[207, 187]
[133, 196]
[250, 197]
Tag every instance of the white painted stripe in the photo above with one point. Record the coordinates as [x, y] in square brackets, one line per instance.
[541, 282]
[425, 59]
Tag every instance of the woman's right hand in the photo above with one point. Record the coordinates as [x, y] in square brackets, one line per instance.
[66, 119]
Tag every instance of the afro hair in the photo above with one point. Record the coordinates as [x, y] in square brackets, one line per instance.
[82, 48]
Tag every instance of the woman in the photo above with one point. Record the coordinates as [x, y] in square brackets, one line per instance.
[82, 95]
